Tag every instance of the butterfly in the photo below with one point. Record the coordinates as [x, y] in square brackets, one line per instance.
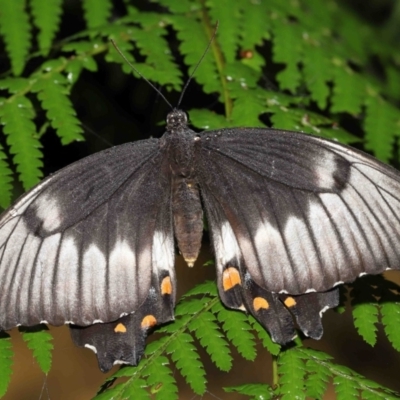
[291, 216]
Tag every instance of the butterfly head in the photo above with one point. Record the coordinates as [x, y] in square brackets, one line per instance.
[176, 121]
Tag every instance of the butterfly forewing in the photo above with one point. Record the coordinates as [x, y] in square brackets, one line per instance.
[323, 217]
[83, 245]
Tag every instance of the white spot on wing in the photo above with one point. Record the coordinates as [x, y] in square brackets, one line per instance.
[89, 346]
[93, 283]
[67, 274]
[163, 251]
[276, 268]
[226, 245]
[48, 210]
[123, 272]
[324, 174]
[302, 251]
[117, 362]
[323, 310]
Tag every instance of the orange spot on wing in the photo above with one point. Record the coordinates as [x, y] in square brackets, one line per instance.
[260, 302]
[166, 285]
[230, 278]
[290, 302]
[120, 328]
[148, 321]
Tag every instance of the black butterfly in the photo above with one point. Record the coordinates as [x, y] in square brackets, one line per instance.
[291, 217]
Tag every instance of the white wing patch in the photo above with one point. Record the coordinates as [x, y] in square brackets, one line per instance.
[122, 262]
[163, 251]
[94, 270]
[271, 251]
[49, 212]
[226, 246]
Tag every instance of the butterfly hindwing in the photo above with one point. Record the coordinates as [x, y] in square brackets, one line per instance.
[295, 214]
[83, 246]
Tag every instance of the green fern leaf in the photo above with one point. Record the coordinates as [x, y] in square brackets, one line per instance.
[190, 307]
[318, 376]
[263, 335]
[5, 179]
[227, 13]
[381, 127]
[345, 389]
[136, 390]
[287, 50]
[252, 30]
[54, 98]
[193, 42]
[343, 99]
[14, 85]
[158, 67]
[40, 342]
[207, 287]
[209, 335]
[16, 117]
[159, 378]
[390, 315]
[393, 82]
[317, 68]
[206, 119]
[96, 12]
[180, 7]
[73, 70]
[365, 320]
[15, 29]
[46, 17]
[246, 110]
[259, 391]
[292, 373]
[186, 358]
[6, 361]
[237, 330]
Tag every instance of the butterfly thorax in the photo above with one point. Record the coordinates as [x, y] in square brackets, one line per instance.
[186, 206]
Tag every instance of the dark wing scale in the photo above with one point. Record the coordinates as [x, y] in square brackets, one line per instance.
[296, 215]
[73, 253]
[308, 310]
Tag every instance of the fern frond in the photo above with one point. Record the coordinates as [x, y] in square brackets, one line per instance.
[292, 373]
[208, 333]
[258, 391]
[390, 316]
[183, 352]
[16, 116]
[343, 99]
[5, 179]
[52, 92]
[160, 379]
[228, 14]
[96, 12]
[15, 29]
[381, 125]
[46, 17]
[287, 50]
[40, 342]
[193, 42]
[6, 356]
[237, 329]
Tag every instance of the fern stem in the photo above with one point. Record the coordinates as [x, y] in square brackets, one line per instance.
[219, 60]
[275, 376]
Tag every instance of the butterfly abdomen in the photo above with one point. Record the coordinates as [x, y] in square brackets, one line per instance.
[188, 217]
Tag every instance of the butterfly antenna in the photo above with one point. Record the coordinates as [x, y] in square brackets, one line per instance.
[198, 63]
[143, 77]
